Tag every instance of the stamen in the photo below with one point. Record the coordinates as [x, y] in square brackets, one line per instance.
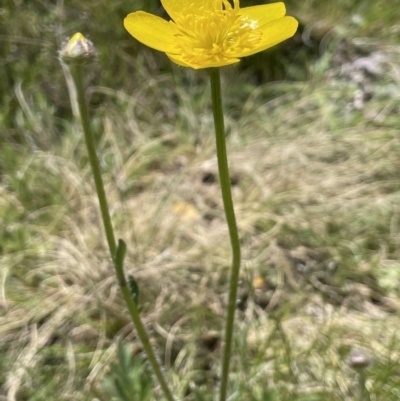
[214, 33]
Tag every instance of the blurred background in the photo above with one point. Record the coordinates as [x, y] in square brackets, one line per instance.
[313, 134]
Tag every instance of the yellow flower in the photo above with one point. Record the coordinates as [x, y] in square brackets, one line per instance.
[211, 33]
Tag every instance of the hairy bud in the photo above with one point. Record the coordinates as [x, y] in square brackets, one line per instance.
[77, 50]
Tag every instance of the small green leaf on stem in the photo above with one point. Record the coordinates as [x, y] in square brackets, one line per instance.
[134, 288]
[120, 254]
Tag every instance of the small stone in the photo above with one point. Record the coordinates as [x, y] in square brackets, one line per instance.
[359, 360]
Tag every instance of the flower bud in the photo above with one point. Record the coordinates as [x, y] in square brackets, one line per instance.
[77, 50]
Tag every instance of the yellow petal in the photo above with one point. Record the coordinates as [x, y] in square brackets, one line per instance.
[259, 282]
[186, 211]
[274, 32]
[260, 15]
[178, 59]
[174, 8]
[151, 30]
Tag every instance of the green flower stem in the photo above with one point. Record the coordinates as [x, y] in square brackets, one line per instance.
[117, 253]
[231, 220]
[94, 163]
[364, 395]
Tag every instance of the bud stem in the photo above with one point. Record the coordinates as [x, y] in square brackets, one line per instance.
[117, 254]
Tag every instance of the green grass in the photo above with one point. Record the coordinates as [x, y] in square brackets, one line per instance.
[315, 162]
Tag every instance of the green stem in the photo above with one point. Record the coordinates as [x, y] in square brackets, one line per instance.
[117, 253]
[94, 163]
[364, 395]
[231, 220]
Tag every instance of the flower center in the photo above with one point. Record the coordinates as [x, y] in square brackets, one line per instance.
[216, 32]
